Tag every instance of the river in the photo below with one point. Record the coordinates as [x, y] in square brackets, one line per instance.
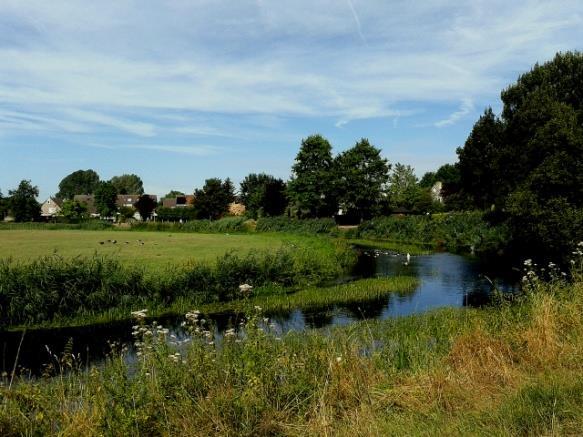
[444, 280]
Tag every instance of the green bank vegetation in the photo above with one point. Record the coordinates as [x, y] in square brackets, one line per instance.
[512, 369]
[56, 287]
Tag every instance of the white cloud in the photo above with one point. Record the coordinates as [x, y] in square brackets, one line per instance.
[466, 108]
[95, 67]
[197, 150]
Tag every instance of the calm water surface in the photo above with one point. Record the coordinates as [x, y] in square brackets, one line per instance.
[445, 280]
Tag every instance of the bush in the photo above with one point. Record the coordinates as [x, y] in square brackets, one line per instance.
[305, 226]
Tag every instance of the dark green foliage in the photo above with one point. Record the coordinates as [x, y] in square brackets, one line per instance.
[530, 162]
[226, 224]
[105, 199]
[145, 206]
[212, 201]
[73, 210]
[78, 182]
[305, 226]
[128, 184]
[311, 189]
[482, 162]
[175, 214]
[3, 206]
[263, 195]
[456, 232]
[55, 287]
[173, 193]
[86, 225]
[22, 202]
[361, 173]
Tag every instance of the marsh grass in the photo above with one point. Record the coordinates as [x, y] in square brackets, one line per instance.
[56, 288]
[513, 369]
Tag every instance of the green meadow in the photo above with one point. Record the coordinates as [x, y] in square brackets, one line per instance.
[149, 249]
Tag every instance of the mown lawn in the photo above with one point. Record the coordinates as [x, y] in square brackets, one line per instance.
[151, 249]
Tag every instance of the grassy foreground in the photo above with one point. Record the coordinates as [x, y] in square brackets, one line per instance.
[515, 369]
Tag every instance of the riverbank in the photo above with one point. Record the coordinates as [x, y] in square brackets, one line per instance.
[513, 369]
[55, 287]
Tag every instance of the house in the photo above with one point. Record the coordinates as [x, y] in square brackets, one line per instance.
[89, 201]
[186, 201]
[128, 201]
[51, 207]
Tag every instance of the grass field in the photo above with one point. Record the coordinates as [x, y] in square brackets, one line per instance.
[151, 249]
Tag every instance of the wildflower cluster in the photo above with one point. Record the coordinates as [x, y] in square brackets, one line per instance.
[147, 336]
[198, 327]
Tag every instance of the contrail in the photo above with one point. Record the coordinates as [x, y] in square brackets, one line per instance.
[357, 20]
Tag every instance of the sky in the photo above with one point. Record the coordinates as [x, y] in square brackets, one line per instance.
[179, 91]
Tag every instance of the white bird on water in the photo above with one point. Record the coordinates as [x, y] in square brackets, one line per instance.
[408, 257]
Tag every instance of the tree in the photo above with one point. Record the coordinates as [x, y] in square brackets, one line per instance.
[73, 210]
[361, 173]
[403, 189]
[3, 206]
[481, 162]
[22, 202]
[530, 161]
[263, 195]
[312, 188]
[145, 206]
[212, 201]
[105, 199]
[173, 193]
[78, 182]
[128, 184]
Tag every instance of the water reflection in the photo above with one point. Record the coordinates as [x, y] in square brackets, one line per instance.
[445, 280]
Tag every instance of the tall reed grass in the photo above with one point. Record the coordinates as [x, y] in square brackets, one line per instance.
[54, 287]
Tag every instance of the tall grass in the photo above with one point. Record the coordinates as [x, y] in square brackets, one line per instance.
[54, 287]
[506, 370]
[305, 226]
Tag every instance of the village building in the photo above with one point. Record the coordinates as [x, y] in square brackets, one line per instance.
[186, 201]
[51, 207]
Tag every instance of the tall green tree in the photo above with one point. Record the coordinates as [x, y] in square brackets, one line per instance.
[263, 195]
[312, 189]
[361, 174]
[213, 199]
[78, 182]
[128, 184]
[74, 210]
[482, 161]
[22, 202]
[530, 162]
[105, 199]
[402, 186]
[145, 206]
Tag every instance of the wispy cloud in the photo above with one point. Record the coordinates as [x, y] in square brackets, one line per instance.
[466, 108]
[356, 21]
[196, 150]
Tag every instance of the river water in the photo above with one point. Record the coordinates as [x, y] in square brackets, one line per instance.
[445, 280]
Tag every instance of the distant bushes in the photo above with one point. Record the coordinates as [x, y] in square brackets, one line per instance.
[87, 225]
[227, 224]
[306, 226]
[455, 232]
[54, 287]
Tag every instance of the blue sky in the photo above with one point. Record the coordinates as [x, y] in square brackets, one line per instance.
[178, 91]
